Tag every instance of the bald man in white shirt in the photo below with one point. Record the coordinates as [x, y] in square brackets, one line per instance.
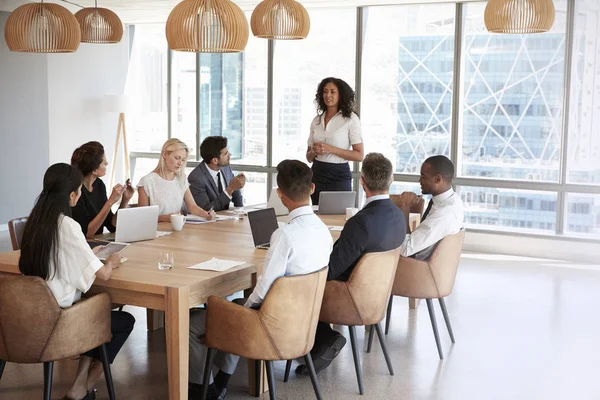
[444, 214]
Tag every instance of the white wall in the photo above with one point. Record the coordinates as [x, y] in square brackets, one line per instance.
[49, 105]
[23, 128]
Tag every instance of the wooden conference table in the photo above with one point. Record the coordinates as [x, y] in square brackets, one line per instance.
[139, 282]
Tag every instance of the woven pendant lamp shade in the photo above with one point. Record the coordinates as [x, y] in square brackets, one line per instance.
[42, 28]
[280, 19]
[207, 26]
[99, 25]
[519, 16]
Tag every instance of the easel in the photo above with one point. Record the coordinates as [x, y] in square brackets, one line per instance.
[120, 127]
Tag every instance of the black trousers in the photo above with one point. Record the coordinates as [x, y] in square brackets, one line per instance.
[329, 177]
[324, 338]
[121, 325]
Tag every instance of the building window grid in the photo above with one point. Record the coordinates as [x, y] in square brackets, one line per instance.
[491, 200]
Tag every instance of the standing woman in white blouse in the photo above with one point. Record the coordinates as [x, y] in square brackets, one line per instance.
[335, 138]
[54, 248]
[167, 186]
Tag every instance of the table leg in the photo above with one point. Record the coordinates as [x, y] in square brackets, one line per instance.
[413, 303]
[155, 319]
[177, 335]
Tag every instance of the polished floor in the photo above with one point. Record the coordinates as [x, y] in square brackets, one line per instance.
[525, 329]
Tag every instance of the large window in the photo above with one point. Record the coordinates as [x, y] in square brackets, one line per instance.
[512, 101]
[183, 99]
[299, 66]
[584, 111]
[407, 71]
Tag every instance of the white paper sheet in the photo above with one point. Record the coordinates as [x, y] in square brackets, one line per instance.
[215, 264]
[335, 228]
[162, 233]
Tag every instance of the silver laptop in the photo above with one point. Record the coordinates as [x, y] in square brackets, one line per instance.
[262, 223]
[335, 203]
[136, 224]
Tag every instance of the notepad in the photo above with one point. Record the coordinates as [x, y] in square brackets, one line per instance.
[215, 264]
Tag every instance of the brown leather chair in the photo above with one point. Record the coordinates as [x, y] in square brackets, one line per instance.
[282, 329]
[361, 301]
[39, 331]
[15, 229]
[430, 279]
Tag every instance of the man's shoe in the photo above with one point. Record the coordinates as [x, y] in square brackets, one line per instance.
[326, 357]
[215, 394]
[194, 391]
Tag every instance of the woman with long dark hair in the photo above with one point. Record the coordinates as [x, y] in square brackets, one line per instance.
[93, 210]
[335, 138]
[55, 249]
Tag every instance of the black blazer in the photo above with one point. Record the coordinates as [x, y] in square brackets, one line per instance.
[205, 191]
[379, 226]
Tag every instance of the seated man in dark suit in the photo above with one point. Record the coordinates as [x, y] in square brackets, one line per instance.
[379, 226]
[212, 182]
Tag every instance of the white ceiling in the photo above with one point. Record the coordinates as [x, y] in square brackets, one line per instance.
[143, 11]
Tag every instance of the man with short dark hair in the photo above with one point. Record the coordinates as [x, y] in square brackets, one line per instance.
[444, 214]
[212, 182]
[302, 246]
[378, 227]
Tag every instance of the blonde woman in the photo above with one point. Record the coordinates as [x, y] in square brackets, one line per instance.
[167, 186]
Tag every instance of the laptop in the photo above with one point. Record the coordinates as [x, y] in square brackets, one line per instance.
[335, 203]
[262, 223]
[136, 224]
[275, 202]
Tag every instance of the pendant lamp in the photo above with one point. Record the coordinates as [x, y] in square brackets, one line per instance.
[99, 25]
[280, 19]
[519, 16]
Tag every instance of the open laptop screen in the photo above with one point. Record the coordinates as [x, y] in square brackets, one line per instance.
[262, 223]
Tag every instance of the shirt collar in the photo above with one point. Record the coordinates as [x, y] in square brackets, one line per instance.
[440, 198]
[323, 116]
[212, 173]
[300, 211]
[375, 198]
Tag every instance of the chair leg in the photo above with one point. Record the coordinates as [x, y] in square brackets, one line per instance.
[434, 326]
[210, 354]
[359, 377]
[257, 376]
[388, 315]
[313, 375]
[107, 374]
[48, 368]
[446, 318]
[271, 379]
[288, 367]
[2, 365]
[384, 348]
[370, 344]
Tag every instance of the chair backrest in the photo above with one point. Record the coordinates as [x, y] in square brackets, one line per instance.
[15, 229]
[33, 328]
[432, 278]
[290, 312]
[28, 313]
[362, 300]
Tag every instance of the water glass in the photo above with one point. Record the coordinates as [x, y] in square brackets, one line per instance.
[238, 212]
[166, 260]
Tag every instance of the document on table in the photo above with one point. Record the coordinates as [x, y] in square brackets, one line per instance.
[194, 219]
[335, 228]
[162, 233]
[215, 264]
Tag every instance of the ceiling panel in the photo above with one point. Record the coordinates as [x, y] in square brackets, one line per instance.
[143, 11]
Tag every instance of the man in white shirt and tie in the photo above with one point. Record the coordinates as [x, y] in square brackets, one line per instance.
[444, 214]
[302, 246]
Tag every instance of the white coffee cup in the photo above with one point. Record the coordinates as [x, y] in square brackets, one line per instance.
[177, 221]
[351, 212]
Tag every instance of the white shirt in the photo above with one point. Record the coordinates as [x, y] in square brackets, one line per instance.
[77, 264]
[168, 195]
[301, 246]
[445, 218]
[215, 177]
[340, 132]
[375, 198]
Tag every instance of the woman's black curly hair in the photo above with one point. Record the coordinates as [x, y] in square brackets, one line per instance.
[347, 97]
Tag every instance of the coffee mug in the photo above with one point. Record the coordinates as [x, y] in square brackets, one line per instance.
[177, 221]
[351, 212]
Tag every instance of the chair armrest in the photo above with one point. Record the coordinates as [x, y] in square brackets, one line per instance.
[80, 328]
[238, 330]
[414, 279]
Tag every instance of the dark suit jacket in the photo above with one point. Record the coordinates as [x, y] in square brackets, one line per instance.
[379, 226]
[205, 191]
